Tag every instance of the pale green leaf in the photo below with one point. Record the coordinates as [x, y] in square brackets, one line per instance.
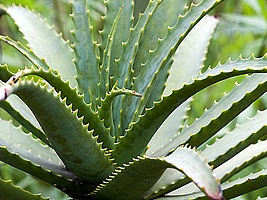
[86, 60]
[11, 192]
[148, 170]
[48, 108]
[182, 71]
[45, 42]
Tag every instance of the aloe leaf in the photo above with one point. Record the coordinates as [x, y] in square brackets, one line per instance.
[157, 28]
[184, 69]
[24, 122]
[104, 85]
[137, 138]
[17, 142]
[72, 98]
[58, 181]
[220, 114]
[124, 24]
[28, 53]
[105, 111]
[5, 73]
[238, 139]
[246, 157]
[230, 189]
[123, 74]
[9, 191]
[149, 170]
[169, 181]
[86, 60]
[159, 57]
[246, 184]
[48, 108]
[45, 42]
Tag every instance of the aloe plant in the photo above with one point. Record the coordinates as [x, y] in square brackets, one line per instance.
[108, 120]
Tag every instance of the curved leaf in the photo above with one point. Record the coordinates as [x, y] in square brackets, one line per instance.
[73, 98]
[28, 53]
[220, 114]
[159, 58]
[11, 192]
[241, 160]
[238, 139]
[24, 122]
[124, 24]
[67, 134]
[148, 170]
[86, 60]
[185, 69]
[137, 138]
[45, 42]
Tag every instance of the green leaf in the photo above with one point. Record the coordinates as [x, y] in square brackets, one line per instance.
[220, 114]
[164, 17]
[66, 185]
[124, 24]
[11, 192]
[73, 98]
[105, 111]
[245, 185]
[230, 189]
[159, 58]
[24, 122]
[45, 42]
[48, 108]
[128, 177]
[17, 142]
[241, 160]
[124, 72]
[185, 69]
[28, 53]
[137, 138]
[104, 85]
[238, 139]
[86, 60]
[5, 73]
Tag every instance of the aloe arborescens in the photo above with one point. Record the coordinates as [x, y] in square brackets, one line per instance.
[110, 118]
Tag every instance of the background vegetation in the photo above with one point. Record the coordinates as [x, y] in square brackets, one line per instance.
[242, 28]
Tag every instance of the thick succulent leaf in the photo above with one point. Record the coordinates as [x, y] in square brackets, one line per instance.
[137, 138]
[124, 25]
[220, 114]
[238, 139]
[246, 157]
[105, 111]
[69, 137]
[231, 189]
[11, 192]
[24, 122]
[5, 73]
[28, 53]
[168, 182]
[149, 170]
[184, 69]
[245, 185]
[17, 142]
[15, 102]
[86, 60]
[104, 85]
[45, 42]
[159, 58]
[123, 74]
[66, 185]
[73, 98]
[161, 20]
[225, 148]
